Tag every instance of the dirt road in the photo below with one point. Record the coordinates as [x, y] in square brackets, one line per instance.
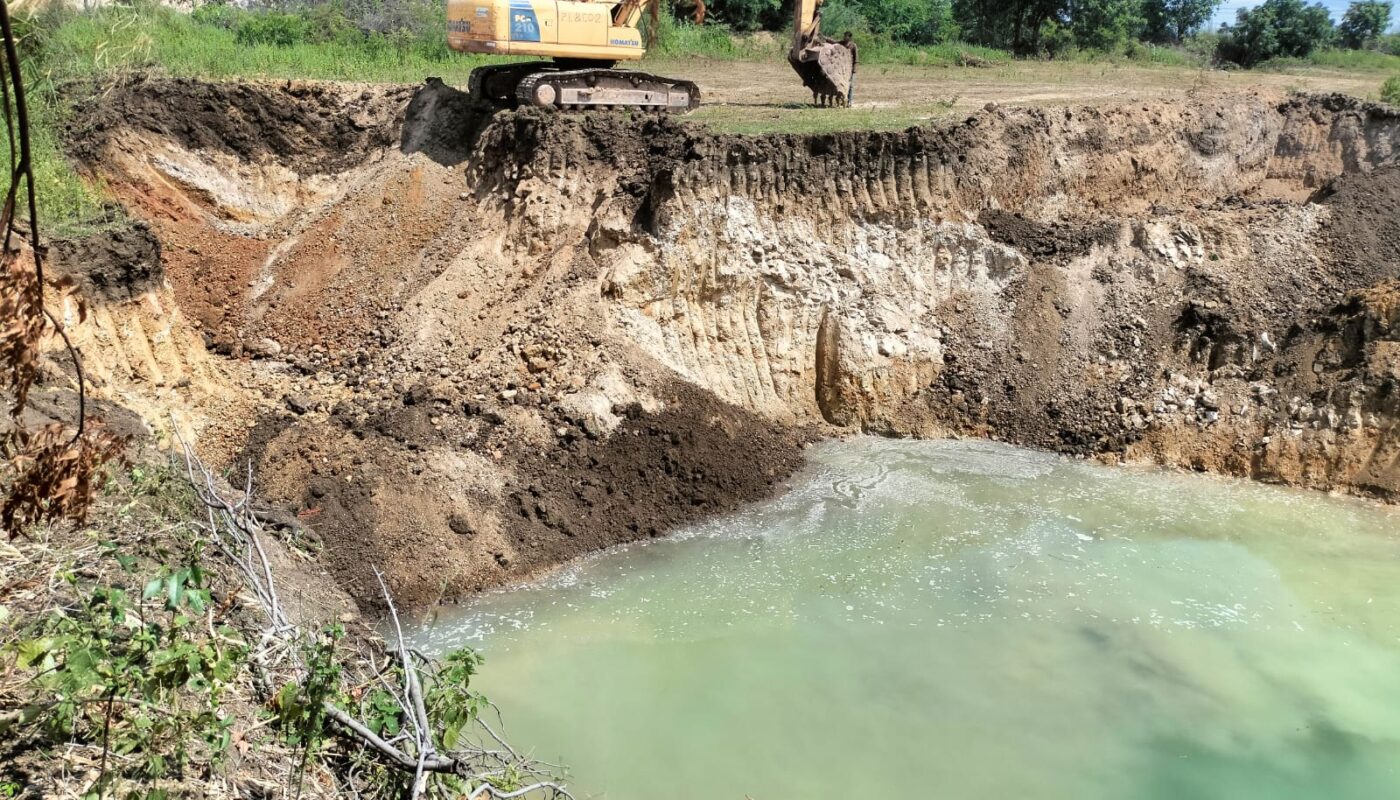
[755, 97]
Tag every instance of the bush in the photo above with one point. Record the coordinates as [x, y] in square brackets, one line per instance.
[1204, 46]
[273, 27]
[1056, 40]
[907, 21]
[746, 15]
[1276, 29]
[676, 38]
[845, 15]
[140, 673]
[1390, 91]
[1364, 23]
[218, 15]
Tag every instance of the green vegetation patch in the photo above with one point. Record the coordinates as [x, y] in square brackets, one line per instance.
[1390, 91]
[803, 119]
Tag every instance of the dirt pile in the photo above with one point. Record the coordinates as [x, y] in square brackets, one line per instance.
[484, 344]
[306, 126]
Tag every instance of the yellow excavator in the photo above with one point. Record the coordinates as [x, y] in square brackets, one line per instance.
[585, 40]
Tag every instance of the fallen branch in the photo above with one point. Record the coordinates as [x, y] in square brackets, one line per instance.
[235, 530]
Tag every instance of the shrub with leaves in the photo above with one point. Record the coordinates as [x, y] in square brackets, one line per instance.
[141, 677]
[1390, 91]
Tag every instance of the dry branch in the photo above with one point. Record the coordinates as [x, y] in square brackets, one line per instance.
[44, 476]
[236, 532]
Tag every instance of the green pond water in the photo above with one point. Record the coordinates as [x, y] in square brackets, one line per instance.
[967, 620]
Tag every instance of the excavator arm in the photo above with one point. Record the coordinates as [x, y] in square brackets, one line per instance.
[628, 13]
[825, 67]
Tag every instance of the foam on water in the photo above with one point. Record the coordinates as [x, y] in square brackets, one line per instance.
[953, 619]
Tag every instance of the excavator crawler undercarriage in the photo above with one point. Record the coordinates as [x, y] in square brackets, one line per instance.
[545, 84]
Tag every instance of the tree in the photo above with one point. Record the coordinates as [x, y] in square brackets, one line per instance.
[1364, 23]
[1173, 21]
[1276, 29]
[1104, 24]
[746, 15]
[910, 21]
[1014, 25]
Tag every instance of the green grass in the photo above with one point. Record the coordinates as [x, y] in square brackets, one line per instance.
[1345, 60]
[677, 40]
[804, 119]
[1138, 53]
[945, 54]
[159, 38]
[68, 204]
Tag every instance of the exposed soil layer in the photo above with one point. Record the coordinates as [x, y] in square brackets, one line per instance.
[306, 126]
[116, 264]
[484, 344]
[1360, 232]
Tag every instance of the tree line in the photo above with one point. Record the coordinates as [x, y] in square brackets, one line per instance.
[1272, 29]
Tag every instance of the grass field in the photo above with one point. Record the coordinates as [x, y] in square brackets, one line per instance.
[748, 87]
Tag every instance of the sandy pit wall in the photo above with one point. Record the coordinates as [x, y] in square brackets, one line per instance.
[468, 347]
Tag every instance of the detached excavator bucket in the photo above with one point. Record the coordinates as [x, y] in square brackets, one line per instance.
[824, 68]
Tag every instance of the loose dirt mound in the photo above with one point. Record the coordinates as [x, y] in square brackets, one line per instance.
[1048, 241]
[516, 338]
[304, 126]
[1361, 232]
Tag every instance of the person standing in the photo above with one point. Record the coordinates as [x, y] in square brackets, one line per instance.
[850, 44]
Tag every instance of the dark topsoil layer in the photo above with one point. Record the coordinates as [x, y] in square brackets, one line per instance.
[309, 127]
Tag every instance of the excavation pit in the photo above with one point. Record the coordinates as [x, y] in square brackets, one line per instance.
[468, 347]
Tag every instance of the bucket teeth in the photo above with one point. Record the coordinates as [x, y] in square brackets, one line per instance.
[825, 68]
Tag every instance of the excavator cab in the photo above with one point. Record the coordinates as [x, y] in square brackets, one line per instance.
[561, 29]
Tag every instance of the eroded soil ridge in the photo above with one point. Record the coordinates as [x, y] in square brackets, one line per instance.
[466, 346]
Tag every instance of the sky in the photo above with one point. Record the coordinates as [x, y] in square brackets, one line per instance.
[1226, 12]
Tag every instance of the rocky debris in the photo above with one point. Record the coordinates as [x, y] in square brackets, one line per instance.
[299, 403]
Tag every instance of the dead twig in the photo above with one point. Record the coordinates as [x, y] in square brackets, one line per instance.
[235, 531]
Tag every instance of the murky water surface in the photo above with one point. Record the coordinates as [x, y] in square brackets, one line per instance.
[966, 620]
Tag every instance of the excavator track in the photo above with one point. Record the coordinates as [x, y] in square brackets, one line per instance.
[582, 89]
[496, 84]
